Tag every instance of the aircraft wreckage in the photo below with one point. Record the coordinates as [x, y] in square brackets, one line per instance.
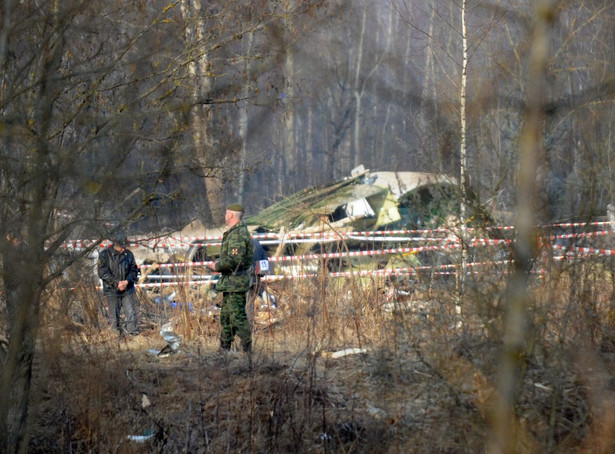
[316, 219]
[369, 220]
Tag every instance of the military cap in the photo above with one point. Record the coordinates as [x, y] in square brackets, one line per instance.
[235, 207]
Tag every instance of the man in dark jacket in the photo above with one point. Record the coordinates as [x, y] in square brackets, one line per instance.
[260, 268]
[234, 264]
[118, 271]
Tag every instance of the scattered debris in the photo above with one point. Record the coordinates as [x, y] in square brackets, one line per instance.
[141, 438]
[145, 402]
[543, 387]
[172, 338]
[344, 352]
[375, 412]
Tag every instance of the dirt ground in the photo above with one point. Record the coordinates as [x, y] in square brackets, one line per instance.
[345, 369]
[120, 396]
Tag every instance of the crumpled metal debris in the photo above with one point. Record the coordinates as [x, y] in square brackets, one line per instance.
[172, 338]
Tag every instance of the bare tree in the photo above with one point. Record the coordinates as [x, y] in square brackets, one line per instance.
[105, 121]
[463, 158]
[79, 109]
[201, 89]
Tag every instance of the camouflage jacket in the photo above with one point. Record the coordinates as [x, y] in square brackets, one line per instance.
[235, 260]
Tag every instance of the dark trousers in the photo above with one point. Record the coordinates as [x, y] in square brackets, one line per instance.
[256, 288]
[234, 321]
[126, 304]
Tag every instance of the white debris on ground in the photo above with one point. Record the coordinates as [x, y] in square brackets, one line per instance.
[344, 352]
[145, 402]
[172, 338]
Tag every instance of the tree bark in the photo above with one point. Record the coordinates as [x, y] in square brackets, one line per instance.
[289, 149]
[358, 94]
[463, 152]
[200, 113]
[16, 380]
[243, 123]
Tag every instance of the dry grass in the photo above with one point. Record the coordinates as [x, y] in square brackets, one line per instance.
[426, 382]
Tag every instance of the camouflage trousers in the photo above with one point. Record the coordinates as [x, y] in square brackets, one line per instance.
[234, 321]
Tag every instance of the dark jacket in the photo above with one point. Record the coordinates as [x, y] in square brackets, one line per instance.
[235, 259]
[259, 255]
[113, 267]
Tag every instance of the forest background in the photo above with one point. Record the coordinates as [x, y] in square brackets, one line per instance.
[211, 103]
[147, 114]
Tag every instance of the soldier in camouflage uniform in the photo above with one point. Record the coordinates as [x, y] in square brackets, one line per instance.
[234, 265]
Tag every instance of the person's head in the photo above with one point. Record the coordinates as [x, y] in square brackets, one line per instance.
[234, 214]
[120, 242]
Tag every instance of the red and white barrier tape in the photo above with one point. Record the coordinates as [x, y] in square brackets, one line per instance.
[585, 250]
[439, 270]
[344, 254]
[297, 238]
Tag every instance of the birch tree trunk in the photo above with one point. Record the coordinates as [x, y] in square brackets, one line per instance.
[463, 152]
